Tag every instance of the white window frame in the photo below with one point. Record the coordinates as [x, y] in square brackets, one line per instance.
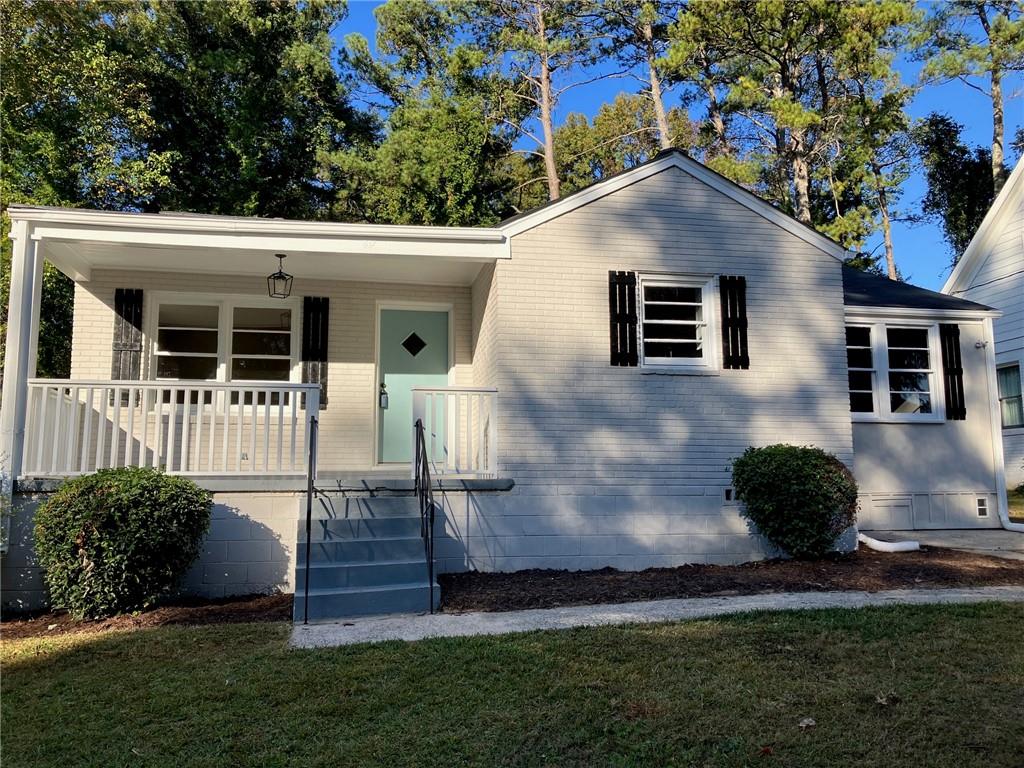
[709, 360]
[226, 307]
[1000, 398]
[880, 361]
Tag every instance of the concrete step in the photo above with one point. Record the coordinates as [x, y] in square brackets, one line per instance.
[379, 574]
[329, 507]
[349, 551]
[333, 604]
[366, 528]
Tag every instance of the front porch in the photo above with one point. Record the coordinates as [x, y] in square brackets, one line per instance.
[181, 361]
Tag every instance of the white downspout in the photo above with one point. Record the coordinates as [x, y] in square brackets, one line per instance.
[1002, 503]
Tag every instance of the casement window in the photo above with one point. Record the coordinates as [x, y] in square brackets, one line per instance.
[894, 372]
[239, 339]
[1011, 404]
[677, 322]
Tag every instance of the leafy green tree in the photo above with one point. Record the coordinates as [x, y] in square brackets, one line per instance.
[247, 97]
[974, 41]
[635, 34]
[543, 44]
[959, 184]
[442, 158]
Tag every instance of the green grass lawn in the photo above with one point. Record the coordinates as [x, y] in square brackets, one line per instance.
[1016, 499]
[931, 686]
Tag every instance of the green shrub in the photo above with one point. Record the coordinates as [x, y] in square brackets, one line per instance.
[117, 540]
[800, 499]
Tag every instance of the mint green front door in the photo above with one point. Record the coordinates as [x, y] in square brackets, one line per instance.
[413, 353]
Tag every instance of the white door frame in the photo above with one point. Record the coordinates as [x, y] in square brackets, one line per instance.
[420, 306]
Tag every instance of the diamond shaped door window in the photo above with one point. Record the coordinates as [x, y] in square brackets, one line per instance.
[414, 344]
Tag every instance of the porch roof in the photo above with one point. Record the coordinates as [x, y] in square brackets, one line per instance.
[77, 241]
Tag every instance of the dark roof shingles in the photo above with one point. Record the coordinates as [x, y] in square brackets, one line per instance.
[862, 289]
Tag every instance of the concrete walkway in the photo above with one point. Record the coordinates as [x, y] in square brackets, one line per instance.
[419, 627]
[995, 542]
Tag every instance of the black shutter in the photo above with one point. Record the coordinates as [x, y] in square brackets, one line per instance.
[314, 344]
[622, 315]
[733, 293]
[952, 372]
[126, 357]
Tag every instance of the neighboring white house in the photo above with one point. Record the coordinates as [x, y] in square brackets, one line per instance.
[991, 271]
[585, 373]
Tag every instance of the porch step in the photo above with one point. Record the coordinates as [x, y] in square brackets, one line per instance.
[334, 529]
[328, 506]
[379, 574]
[348, 551]
[336, 603]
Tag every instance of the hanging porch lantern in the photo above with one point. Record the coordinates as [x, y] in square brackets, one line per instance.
[279, 284]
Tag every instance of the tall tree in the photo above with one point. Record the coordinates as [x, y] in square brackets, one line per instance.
[442, 158]
[247, 97]
[959, 185]
[635, 34]
[775, 60]
[972, 41]
[543, 42]
[877, 135]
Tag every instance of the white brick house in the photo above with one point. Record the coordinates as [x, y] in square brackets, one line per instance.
[585, 373]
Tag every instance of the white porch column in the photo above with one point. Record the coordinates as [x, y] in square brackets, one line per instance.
[22, 337]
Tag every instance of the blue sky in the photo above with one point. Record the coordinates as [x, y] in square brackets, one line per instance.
[921, 252]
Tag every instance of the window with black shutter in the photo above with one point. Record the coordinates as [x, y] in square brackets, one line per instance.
[623, 316]
[733, 292]
[126, 358]
[952, 372]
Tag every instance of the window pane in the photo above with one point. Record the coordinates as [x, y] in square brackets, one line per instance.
[670, 331]
[184, 367]
[1013, 411]
[671, 293]
[262, 319]
[188, 316]
[858, 358]
[908, 358]
[261, 343]
[858, 337]
[678, 350]
[861, 380]
[671, 312]
[249, 369]
[1008, 379]
[862, 402]
[906, 402]
[908, 337]
[908, 382]
[187, 341]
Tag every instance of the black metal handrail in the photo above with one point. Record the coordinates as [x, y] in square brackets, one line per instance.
[425, 496]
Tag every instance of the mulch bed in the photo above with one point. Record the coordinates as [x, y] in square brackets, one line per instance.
[232, 610]
[862, 571]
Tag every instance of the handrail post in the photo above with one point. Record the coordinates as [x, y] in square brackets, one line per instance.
[310, 472]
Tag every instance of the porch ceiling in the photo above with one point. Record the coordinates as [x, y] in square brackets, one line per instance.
[78, 241]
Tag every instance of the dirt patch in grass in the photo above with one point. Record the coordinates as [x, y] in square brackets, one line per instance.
[232, 610]
[862, 570]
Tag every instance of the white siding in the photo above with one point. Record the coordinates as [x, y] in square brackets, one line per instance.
[999, 282]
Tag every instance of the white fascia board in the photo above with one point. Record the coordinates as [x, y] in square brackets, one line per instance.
[991, 226]
[701, 173]
[177, 222]
[907, 313]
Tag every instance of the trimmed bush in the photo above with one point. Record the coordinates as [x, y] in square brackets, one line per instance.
[117, 540]
[799, 498]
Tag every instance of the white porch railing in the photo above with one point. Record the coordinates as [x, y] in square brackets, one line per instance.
[73, 427]
[461, 428]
